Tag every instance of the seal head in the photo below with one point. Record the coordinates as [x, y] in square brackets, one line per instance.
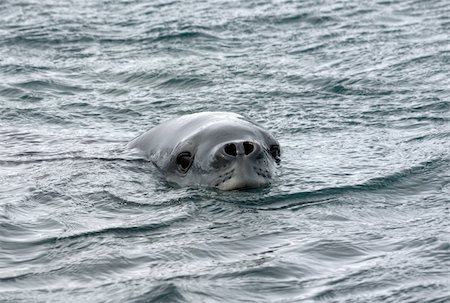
[214, 149]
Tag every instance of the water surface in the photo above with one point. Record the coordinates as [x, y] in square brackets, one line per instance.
[357, 94]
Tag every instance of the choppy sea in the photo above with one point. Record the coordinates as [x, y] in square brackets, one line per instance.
[357, 93]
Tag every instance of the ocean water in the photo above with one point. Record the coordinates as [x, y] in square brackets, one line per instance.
[357, 93]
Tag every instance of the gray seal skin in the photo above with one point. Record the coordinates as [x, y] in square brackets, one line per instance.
[213, 149]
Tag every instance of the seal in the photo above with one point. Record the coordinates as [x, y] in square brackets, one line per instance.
[213, 149]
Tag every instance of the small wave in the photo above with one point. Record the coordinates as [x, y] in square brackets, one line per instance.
[403, 182]
[164, 292]
[422, 170]
[185, 83]
[431, 105]
[417, 60]
[15, 69]
[16, 93]
[436, 105]
[11, 92]
[334, 249]
[432, 136]
[163, 80]
[360, 87]
[112, 112]
[66, 158]
[51, 85]
[186, 35]
[116, 231]
[41, 37]
[307, 49]
[27, 114]
[307, 18]
[345, 90]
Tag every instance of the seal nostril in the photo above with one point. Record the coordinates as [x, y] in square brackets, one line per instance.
[230, 149]
[248, 148]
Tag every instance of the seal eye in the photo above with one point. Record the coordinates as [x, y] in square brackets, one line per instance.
[275, 152]
[184, 161]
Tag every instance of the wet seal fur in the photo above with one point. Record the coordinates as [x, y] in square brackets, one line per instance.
[213, 149]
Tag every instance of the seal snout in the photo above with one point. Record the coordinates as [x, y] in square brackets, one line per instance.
[245, 163]
[240, 149]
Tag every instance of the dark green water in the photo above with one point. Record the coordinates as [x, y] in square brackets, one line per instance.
[358, 94]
